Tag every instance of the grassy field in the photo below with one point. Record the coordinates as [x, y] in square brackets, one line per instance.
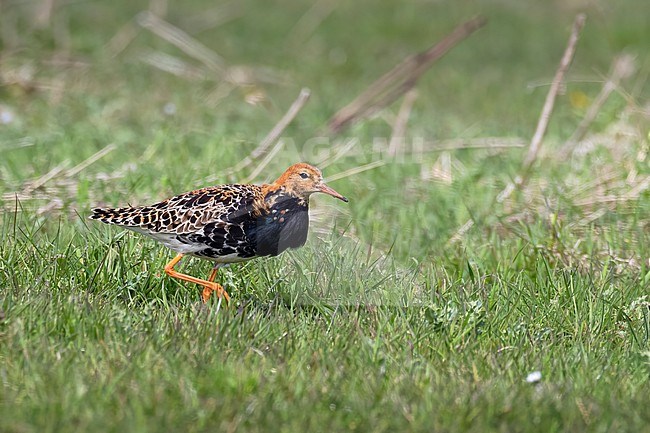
[397, 315]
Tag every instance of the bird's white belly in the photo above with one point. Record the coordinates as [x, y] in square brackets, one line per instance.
[170, 241]
[229, 258]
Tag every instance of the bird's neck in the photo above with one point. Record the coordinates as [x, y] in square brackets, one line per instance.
[275, 194]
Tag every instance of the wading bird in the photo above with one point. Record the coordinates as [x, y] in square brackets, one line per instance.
[227, 223]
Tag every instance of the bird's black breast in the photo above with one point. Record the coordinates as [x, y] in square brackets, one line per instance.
[284, 226]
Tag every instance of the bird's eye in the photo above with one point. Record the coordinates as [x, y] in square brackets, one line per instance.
[304, 175]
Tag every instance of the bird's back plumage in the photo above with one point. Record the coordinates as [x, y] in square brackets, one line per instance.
[184, 213]
[226, 223]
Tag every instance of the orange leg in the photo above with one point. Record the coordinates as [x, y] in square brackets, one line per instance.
[211, 277]
[209, 285]
[213, 273]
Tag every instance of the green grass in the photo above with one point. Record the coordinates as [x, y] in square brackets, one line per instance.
[381, 322]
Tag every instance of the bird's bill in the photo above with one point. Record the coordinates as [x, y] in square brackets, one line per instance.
[327, 190]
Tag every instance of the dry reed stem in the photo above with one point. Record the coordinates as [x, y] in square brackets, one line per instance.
[275, 133]
[400, 79]
[310, 20]
[172, 65]
[355, 170]
[214, 17]
[398, 135]
[182, 41]
[267, 159]
[238, 75]
[542, 124]
[29, 188]
[122, 39]
[633, 193]
[348, 147]
[42, 180]
[547, 110]
[549, 103]
[441, 170]
[90, 160]
[473, 143]
[340, 149]
[622, 67]
[61, 171]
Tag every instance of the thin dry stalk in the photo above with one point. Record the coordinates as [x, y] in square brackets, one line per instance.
[340, 149]
[461, 232]
[20, 143]
[61, 170]
[122, 38]
[275, 133]
[356, 170]
[598, 181]
[172, 65]
[54, 183]
[622, 67]
[91, 160]
[40, 181]
[311, 19]
[400, 79]
[220, 92]
[182, 41]
[267, 159]
[349, 147]
[473, 143]
[549, 103]
[210, 18]
[440, 171]
[547, 110]
[542, 124]
[632, 194]
[398, 135]
[608, 203]
[590, 218]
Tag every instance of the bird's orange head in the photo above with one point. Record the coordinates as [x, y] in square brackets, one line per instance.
[302, 180]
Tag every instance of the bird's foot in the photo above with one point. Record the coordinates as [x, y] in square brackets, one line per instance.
[214, 287]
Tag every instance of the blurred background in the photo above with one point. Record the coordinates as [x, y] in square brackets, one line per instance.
[133, 101]
[442, 297]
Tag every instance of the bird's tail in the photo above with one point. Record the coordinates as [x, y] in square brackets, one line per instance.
[119, 216]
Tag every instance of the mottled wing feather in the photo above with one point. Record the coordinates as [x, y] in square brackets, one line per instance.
[185, 213]
[207, 222]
